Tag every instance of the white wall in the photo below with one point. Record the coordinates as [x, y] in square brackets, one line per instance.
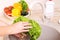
[57, 2]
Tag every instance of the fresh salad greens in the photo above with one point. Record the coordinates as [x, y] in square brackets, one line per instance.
[35, 31]
[24, 5]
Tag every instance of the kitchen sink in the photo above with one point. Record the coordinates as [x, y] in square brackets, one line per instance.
[49, 33]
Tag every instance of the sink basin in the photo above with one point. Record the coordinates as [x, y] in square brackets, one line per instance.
[49, 33]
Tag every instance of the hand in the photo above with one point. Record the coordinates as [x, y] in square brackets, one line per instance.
[19, 27]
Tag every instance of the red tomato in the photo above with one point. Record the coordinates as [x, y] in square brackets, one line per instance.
[10, 8]
[6, 9]
[8, 13]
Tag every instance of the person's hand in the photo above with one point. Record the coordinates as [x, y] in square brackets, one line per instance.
[20, 27]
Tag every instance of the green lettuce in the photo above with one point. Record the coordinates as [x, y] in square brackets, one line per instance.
[24, 5]
[35, 31]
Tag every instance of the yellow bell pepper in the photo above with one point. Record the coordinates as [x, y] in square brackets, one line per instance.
[18, 6]
[16, 13]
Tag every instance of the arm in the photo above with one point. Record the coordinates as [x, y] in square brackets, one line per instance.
[14, 28]
[4, 30]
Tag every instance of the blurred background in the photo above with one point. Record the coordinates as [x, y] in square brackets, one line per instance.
[37, 10]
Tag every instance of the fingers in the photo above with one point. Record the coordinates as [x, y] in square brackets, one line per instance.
[17, 35]
[28, 27]
[26, 24]
[25, 30]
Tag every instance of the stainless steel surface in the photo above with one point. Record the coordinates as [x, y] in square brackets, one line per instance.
[49, 33]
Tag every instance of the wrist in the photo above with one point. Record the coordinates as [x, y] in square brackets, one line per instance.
[4, 30]
[10, 29]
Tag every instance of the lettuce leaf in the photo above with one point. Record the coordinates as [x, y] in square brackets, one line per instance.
[24, 5]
